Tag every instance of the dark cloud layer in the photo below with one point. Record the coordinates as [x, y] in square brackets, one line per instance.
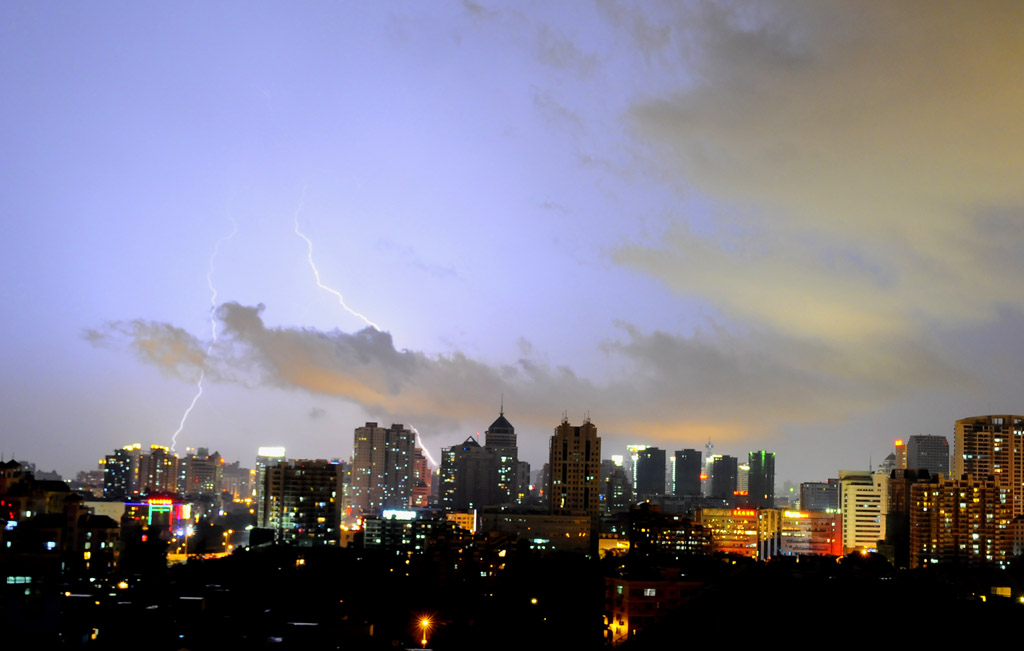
[661, 385]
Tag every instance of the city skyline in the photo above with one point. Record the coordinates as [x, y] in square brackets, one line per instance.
[789, 227]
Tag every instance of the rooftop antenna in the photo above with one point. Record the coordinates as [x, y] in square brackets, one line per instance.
[502, 412]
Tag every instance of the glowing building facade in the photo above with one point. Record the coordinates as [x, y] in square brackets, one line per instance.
[862, 501]
[965, 521]
[992, 446]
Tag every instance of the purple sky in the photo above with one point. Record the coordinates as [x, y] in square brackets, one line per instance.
[794, 227]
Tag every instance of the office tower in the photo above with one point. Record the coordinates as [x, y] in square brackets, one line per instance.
[303, 501]
[862, 500]
[575, 462]
[929, 453]
[121, 473]
[265, 458]
[632, 455]
[992, 446]
[650, 473]
[158, 470]
[469, 476]
[761, 480]
[820, 496]
[501, 437]
[811, 533]
[722, 478]
[618, 495]
[686, 469]
[966, 521]
[382, 468]
[744, 532]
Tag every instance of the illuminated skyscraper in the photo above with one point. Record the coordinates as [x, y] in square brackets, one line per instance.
[382, 468]
[992, 446]
[575, 470]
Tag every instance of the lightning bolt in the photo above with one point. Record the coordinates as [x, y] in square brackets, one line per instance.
[316, 272]
[213, 330]
[341, 300]
[419, 442]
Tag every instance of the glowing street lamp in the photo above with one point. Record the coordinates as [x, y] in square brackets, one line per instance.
[425, 626]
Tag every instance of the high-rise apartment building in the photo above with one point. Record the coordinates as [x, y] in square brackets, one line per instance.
[158, 470]
[650, 473]
[121, 472]
[575, 461]
[862, 500]
[266, 457]
[686, 473]
[200, 473]
[992, 446]
[303, 501]
[931, 453]
[761, 480]
[382, 468]
[966, 521]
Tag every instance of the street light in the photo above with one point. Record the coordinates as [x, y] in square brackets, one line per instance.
[425, 626]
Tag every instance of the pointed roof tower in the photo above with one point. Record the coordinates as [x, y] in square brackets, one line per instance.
[501, 433]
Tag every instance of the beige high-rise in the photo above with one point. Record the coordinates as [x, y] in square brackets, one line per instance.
[992, 446]
[575, 461]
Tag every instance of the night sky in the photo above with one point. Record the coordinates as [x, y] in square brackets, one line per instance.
[794, 226]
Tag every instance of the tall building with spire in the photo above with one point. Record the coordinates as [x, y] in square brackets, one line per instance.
[501, 437]
[575, 461]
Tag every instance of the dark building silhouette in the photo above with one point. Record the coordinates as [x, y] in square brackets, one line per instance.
[469, 476]
[650, 473]
[761, 480]
[618, 495]
[898, 506]
[687, 473]
[820, 496]
[930, 453]
[724, 470]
